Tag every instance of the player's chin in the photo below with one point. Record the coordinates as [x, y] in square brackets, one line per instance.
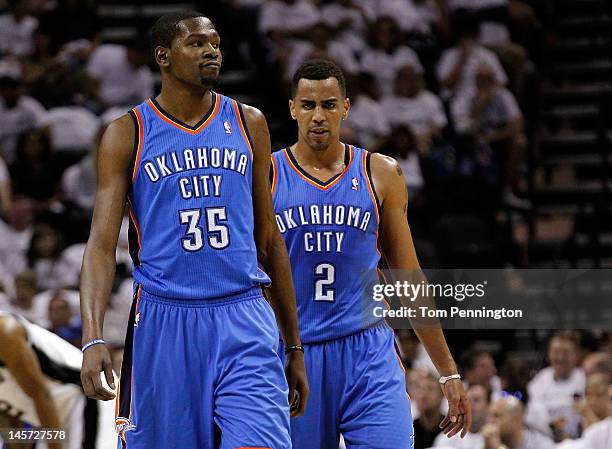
[319, 144]
[209, 81]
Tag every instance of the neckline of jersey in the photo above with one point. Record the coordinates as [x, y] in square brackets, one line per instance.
[293, 163]
[169, 118]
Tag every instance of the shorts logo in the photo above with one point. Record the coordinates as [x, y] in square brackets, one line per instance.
[228, 128]
[123, 425]
[355, 183]
[137, 320]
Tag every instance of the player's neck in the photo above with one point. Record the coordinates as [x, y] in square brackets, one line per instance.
[324, 159]
[185, 105]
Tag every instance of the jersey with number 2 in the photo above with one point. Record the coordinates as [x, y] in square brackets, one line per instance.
[330, 229]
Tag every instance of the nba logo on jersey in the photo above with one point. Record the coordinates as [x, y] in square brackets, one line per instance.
[228, 128]
[355, 183]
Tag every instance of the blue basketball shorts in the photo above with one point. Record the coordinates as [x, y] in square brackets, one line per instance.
[202, 374]
[357, 389]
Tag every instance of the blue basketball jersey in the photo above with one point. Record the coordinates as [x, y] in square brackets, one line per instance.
[331, 231]
[191, 207]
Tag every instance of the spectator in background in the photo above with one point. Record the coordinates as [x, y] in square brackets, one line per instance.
[458, 65]
[35, 171]
[428, 397]
[556, 386]
[596, 406]
[15, 235]
[414, 107]
[23, 302]
[348, 21]
[44, 257]
[479, 397]
[490, 112]
[599, 433]
[321, 46]
[16, 29]
[597, 362]
[5, 189]
[367, 123]
[506, 428]
[62, 320]
[478, 368]
[83, 20]
[18, 113]
[118, 75]
[386, 54]
[282, 21]
[404, 146]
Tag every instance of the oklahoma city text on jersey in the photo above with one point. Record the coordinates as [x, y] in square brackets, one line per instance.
[189, 159]
[328, 214]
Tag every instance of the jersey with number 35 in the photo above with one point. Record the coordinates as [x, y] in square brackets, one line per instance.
[190, 203]
[331, 230]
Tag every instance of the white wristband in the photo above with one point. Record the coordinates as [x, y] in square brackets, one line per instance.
[445, 379]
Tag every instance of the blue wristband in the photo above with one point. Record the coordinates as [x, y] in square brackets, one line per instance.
[91, 343]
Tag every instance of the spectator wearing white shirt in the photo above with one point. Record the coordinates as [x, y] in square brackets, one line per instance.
[18, 113]
[17, 29]
[458, 65]
[412, 16]
[15, 235]
[386, 54]
[478, 368]
[490, 112]
[281, 19]
[367, 124]
[118, 75]
[24, 299]
[480, 398]
[321, 46]
[556, 386]
[45, 258]
[413, 106]
[348, 20]
[506, 428]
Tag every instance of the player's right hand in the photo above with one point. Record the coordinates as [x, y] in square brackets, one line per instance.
[95, 360]
[298, 383]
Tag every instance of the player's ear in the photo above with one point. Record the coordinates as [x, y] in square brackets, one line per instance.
[347, 107]
[292, 109]
[162, 56]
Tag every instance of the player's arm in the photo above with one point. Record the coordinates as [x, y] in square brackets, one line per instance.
[272, 253]
[22, 363]
[98, 271]
[398, 248]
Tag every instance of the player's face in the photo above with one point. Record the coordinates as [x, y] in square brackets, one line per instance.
[319, 108]
[195, 55]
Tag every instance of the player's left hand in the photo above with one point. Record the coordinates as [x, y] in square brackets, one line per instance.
[459, 416]
[298, 383]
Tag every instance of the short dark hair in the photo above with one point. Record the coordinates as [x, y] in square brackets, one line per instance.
[167, 27]
[318, 69]
[469, 357]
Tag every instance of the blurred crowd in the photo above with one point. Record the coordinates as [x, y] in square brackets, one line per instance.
[565, 404]
[448, 87]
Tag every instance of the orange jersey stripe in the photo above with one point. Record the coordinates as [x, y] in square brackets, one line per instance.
[242, 128]
[136, 226]
[181, 127]
[274, 174]
[310, 181]
[139, 143]
[371, 190]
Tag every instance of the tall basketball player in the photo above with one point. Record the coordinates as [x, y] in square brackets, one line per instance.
[200, 367]
[334, 204]
[40, 387]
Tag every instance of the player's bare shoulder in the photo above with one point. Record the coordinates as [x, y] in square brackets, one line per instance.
[118, 138]
[387, 176]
